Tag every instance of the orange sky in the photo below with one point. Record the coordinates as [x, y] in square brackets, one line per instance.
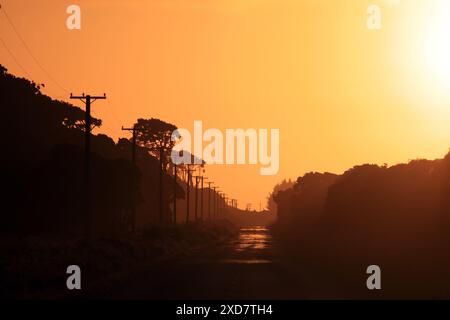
[340, 94]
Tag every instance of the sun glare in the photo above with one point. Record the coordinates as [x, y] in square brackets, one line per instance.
[437, 46]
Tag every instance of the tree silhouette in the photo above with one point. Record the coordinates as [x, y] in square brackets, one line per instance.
[396, 215]
[156, 136]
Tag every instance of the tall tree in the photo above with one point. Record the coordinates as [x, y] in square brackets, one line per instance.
[155, 135]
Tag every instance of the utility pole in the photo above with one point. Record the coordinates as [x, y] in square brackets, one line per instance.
[197, 178]
[160, 193]
[188, 192]
[209, 199]
[133, 130]
[201, 207]
[87, 100]
[215, 201]
[220, 203]
[133, 141]
[175, 193]
[226, 202]
[133, 160]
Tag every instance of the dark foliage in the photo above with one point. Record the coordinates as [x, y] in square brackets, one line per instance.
[396, 217]
[43, 169]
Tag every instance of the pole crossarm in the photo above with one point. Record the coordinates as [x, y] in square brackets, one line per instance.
[84, 97]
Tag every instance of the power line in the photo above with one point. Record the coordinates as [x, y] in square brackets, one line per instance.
[15, 59]
[25, 71]
[30, 52]
[114, 117]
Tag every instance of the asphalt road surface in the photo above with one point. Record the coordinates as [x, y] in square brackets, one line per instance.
[247, 267]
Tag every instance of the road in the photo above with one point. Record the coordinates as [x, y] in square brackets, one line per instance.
[247, 267]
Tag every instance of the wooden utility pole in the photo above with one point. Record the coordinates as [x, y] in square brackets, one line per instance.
[160, 193]
[226, 202]
[203, 189]
[133, 142]
[221, 203]
[133, 130]
[197, 178]
[87, 100]
[215, 201]
[218, 204]
[188, 192]
[209, 199]
[175, 193]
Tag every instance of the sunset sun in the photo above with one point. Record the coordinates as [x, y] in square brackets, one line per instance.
[437, 44]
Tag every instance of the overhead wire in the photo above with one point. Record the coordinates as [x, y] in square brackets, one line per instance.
[49, 76]
[27, 48]
[11, 54]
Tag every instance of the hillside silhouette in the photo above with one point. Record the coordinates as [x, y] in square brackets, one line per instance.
[128, 219]
[44, 162]
[396, 217]
[44, 168]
